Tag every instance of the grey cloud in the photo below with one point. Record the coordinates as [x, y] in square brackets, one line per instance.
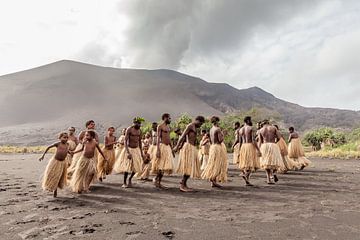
[162, 32]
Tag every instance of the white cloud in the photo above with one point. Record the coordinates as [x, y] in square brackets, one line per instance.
[301, 51]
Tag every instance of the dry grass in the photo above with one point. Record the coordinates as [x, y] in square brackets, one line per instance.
[23, 149]
[335, 153]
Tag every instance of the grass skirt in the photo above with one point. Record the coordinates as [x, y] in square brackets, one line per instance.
[84, 174]
[217, 166]
[296, 153]
[248, 159]
[72, 147]
[105, 168]
[165, 162]
[236, 154]
[55, 175]
[145, 171]
[203, 159]
[118, 151]
[271, 157]
[289, 164]
[74, 160]
[188, 163]
[123, 164]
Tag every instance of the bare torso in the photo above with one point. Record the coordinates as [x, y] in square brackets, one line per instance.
[89, 148]
[164, 134]
[134, 137]
[191, 134]
[246, 134]
[153, 137]
[293, 135]
[269, 134]
[61, 151]
[216, 135]
[109, 139]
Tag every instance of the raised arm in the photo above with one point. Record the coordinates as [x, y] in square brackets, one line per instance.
[47, 149]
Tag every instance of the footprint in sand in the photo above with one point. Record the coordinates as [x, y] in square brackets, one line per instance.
[169, 234]
[127, 223]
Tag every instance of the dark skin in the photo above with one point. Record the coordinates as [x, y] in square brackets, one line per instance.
[189, 135]
[163, 137]
[236, 128]
[73, 137]
[293, 135]
[269, 134]
[154, 134]
[88, 148]
[132, 140]
[246, 136]
[90, 127]
[62, 150]
[110, 139]
[216, 137]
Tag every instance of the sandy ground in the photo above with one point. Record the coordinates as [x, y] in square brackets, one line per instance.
[322, 202]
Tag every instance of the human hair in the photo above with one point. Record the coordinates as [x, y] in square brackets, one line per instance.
[265, 121]
[237, 124]
[203, 131]
[200, 119]
[291, 129]
[277, 127]
[247, 119]
[91, 133]
[89, 122]
[62, 134]
[215, 119]
[71, 129]
[111, 128]
[165, 115]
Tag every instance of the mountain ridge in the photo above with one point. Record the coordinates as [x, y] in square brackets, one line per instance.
[53, 96]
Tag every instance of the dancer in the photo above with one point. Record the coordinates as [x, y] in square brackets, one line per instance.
[90, 126]
[289, 164]
[188, 164]
[55, 172]
[216, 169]
[146, 166]
[204, 149]
[73, 142]
[249, 154]
[236, 145]
[120, 145]
[105, 167]
[131, 157]
[296, 150]
[271, 159]
[164, 153]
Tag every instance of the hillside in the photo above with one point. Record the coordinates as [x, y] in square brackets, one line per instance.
[39, 102]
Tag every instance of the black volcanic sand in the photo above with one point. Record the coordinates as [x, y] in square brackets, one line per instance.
[321, 202]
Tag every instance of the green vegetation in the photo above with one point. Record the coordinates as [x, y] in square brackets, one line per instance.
[332, 143]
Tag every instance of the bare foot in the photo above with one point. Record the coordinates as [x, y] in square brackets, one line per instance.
[215, 185]
[183, 188]
[162, 186]
[276, 178]
[270, 183]
[100, 179]
[124, 186]
[248, 184]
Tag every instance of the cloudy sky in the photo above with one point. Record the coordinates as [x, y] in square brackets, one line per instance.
[303, 51]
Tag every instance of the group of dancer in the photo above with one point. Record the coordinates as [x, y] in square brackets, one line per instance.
[80, 161]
